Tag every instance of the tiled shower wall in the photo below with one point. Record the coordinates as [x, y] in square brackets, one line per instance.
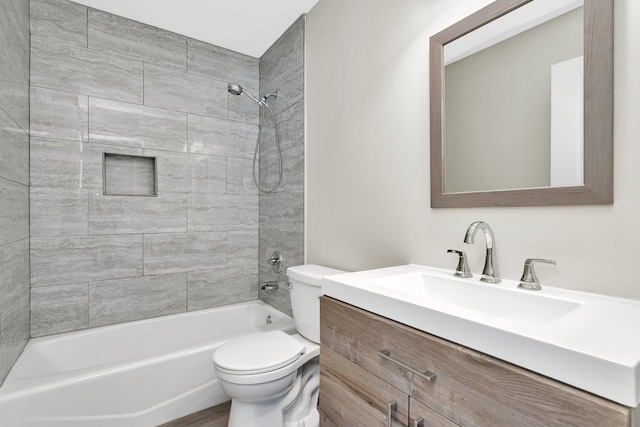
[101, 83]
[282, 213]
[14, 181]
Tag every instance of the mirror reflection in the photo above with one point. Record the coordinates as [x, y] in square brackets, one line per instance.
[514, 103]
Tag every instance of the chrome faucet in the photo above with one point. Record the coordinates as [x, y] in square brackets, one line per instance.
[529, 280]
[490, 270]
[462, 270]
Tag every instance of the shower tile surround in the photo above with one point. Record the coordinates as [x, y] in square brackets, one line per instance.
[282, 212]
[101, 83]
[14, 182]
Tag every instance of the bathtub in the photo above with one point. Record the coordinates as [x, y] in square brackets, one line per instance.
[141, 373]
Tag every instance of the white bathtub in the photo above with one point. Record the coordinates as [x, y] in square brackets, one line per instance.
[140, 373]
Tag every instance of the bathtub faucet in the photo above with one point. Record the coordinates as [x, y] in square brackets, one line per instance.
[269, 286]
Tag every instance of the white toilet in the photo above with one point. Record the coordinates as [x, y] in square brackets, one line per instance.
[273, 377]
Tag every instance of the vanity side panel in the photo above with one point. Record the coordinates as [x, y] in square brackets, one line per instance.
[351, 396]
[471, 388]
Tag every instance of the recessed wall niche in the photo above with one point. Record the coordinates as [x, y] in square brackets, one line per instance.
[126, 175]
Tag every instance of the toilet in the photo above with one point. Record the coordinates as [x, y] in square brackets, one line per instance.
[273, 378]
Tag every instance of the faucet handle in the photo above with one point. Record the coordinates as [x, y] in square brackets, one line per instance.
[529, 280]
[462, 270]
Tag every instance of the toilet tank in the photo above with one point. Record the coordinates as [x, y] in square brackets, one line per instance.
[304, 288]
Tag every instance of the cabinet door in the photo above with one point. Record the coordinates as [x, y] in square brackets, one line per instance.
[351, 396]
[423, 416]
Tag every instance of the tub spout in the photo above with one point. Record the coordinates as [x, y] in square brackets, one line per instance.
[269, 286]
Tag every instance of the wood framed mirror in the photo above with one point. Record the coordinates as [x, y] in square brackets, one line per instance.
[593, 124]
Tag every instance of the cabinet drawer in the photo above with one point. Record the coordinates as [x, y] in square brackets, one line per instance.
[471, 388]
[351, 396]
[429, 417]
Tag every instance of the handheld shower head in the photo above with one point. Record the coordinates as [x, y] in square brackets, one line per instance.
[263, 106]
[236, 89]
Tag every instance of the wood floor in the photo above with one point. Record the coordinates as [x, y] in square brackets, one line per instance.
[216, 416]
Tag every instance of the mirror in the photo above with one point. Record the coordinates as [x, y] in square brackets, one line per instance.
[516, 84]
[521, 106]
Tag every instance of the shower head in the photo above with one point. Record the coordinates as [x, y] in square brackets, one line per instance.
[236, 89]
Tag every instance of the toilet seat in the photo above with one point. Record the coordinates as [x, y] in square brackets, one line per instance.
[311, 350]
[258, 353]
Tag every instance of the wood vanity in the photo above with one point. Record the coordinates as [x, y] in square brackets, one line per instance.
[467, 388]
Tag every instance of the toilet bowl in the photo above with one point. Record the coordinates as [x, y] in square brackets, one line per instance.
[273, 377]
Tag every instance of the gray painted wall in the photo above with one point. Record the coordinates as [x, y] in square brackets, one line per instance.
[282, 213]
[104, 83]
[14, 181]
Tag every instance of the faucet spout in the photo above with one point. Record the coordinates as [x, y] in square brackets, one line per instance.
[490, 270]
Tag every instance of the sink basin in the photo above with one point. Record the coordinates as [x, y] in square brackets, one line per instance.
[491, 300]
[586, 340]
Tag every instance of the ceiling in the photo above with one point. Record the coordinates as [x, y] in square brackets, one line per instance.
[245, 26]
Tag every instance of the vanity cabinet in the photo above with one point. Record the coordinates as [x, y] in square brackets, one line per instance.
[469, 388]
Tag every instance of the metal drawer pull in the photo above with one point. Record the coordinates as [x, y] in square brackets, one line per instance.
[428, 375]
[419, 422]
[391, 406]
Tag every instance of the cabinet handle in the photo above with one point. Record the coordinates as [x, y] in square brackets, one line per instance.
[428, 375]
[418, 423]
[391, 406]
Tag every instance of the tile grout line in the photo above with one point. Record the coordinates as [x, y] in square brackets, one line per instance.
[186, 303]
[88, 118]
[226, 249]
[226, 187]
[187, 55]
[87, 19]
[186, 213]
[88, 304]
[188, 142]
[88, 198]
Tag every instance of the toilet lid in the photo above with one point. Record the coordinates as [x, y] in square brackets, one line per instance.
[258, 353]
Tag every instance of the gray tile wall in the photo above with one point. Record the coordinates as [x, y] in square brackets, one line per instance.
[14, 181]
[101, 83]
[282, 213]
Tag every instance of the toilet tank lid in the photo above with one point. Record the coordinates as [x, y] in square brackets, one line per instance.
[310, 273]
